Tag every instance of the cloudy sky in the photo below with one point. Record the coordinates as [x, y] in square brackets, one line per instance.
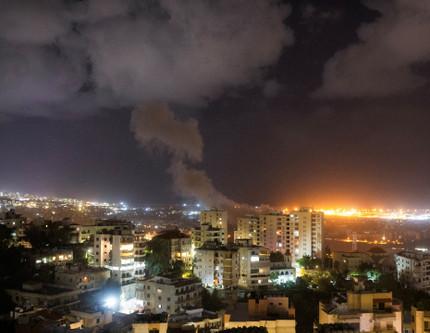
[294, 102]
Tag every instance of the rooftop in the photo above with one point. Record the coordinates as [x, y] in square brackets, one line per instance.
[177, 282]
[76, 269]
[217, 246]
[413, 254]
[150, 318]
[171, 234]
[40, 288]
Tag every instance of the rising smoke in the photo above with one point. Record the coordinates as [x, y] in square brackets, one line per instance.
[155, 126]
[75, 57]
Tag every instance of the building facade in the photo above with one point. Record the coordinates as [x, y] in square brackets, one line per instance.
[139, 254]
[172, 295]
[254, 265]
[414, 266]
[217, 265]
[420, 320]
[178, 245]
[298, 233]
[364, 311]
[36, 294]
[276, 314]
[213, 228]
[116, 253]
[82, 278]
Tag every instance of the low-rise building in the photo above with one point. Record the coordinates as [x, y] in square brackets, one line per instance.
[414, 266]
[171, 295]
[82, 278]
[89, 317]
[275, 313]
[351, 260]
[281, 272]
[150, 323]
[217, 265]
[195, 321]
[42, 321]
[36, 294]
[51, 256]
[420, 320]
[365, 311]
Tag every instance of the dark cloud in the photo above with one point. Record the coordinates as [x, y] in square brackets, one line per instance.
[311, 12]
[73, 57]
[32, 22]
[195, 53]
[381, 63]
[271, 88]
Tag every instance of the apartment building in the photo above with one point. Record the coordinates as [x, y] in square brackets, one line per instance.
[363, 311]
[420, 320]
[87, 232]
[139, 254]
[414, 266]
[275, 313]
[213, 228]
[166, 294]
[83, 278]
[178, 245]
[217, 265]
[298, 233]
[254, 265]
[116, 253]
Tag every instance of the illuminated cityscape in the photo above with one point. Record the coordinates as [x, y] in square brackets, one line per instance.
[214, 166]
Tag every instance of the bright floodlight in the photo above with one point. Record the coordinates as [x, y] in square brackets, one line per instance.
[110, 302]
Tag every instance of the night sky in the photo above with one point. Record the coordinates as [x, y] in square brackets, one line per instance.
[305, 102]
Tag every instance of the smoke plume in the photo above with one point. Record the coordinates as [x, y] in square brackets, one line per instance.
[75, 57]
[155, 125]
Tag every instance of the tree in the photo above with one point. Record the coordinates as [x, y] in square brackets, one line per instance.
[308, 262]
[5, 236]
[327, 258]
[6, 304]
[211, 301]
[36, 236]
[273, 276]
[277, 257]
[157, 259]
[178, 268]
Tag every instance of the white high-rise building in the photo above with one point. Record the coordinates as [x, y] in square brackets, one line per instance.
[213, 228]
[116, 253]
[298, 233]
[414, 266]
[139, 254]
[308, 232]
